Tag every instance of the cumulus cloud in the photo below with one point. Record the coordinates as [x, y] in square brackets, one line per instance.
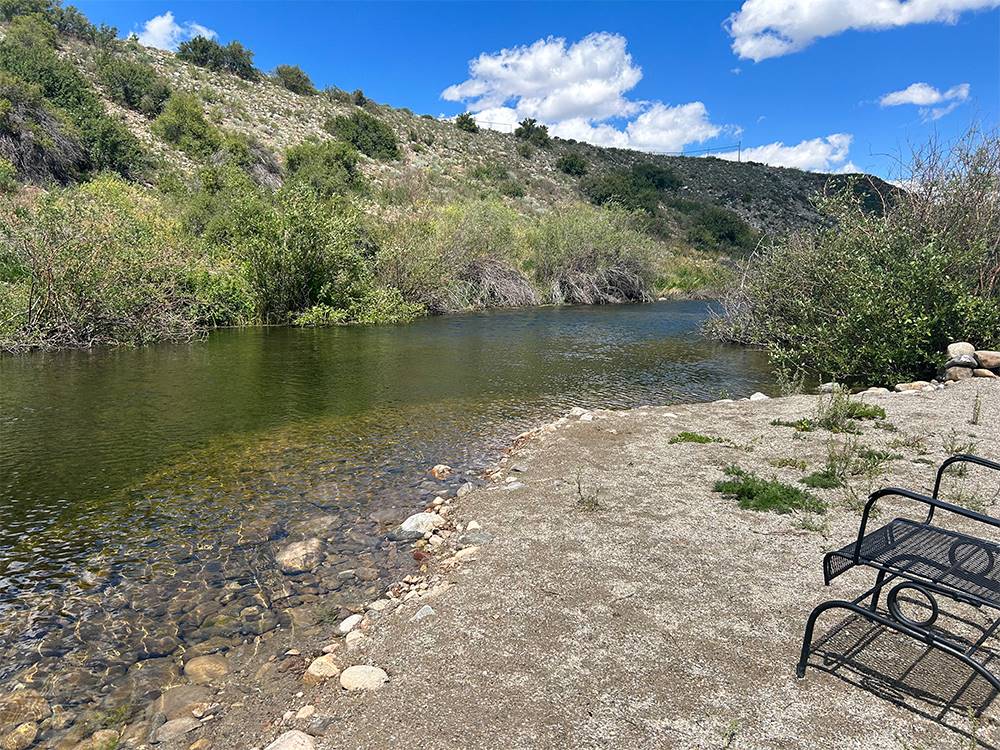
[163, 32]
[771, 28]
[579, 90]
[827, 154]
[926, 96]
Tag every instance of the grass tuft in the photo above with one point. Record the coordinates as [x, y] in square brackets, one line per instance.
[754, 493]
[693, 437]
[823, 479]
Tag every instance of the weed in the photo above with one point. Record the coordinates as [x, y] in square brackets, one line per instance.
[912, 442]
[586, 501]
[822, 479]
[693, 437]
[729, 735]
[977, 407]
[754, 493]
[788, 462]
[953, 446]
[840, 413]
[800, 425]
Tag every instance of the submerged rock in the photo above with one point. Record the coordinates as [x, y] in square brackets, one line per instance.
[174, 728]
[23, 706]
[205, 669]
[300, 557]
[417, 525]
[20, 738]
[177, 702]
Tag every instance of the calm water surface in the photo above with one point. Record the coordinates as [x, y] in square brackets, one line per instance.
[143, 492]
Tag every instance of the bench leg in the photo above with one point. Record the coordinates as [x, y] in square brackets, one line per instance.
[922, 636]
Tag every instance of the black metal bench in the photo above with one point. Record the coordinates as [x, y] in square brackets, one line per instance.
[924, 558]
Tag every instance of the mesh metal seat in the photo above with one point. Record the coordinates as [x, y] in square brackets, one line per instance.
[926, 559]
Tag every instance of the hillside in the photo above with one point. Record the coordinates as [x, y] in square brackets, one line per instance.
[258, 198]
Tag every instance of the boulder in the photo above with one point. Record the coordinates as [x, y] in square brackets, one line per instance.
[299, 557]
[322, 668]
[293, 740]
[202, 670]
[957, 373]
[758, 396]
[441, 471]
[177, 702]
[916, 385]
[363, 677]
[348, 624]
[417, 525]
[21, 737]
[959, 348]
[981, 372]
[23, 706]
[963, 360]
[988, 359]
[175, 728]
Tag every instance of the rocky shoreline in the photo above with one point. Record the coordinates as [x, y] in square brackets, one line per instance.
[348, 680]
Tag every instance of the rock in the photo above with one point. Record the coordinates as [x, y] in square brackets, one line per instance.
[577, 411]
[319, 725]
[473, 537]
[916, 385]
[175, 728]
[473, 526]
[293, 740]
[21, 737]
[305, 713]
[466, 554]
[957, 373]
[758, 396]
[877, 389]
[299, 557]
[348, 624]
[988, 359]
[981, 372]
[959, 348]
[588, 417]
[465, 489]
[202, 744]
[965, 360]
[379, 605]
[354, 638]
[202, 670]
[827, 387]
[23, 706]
[178, 701]
[322, 668]
[417, 525]
[363, 677]
[515, 485]
[441, 471]
[423, 613]
[102, 739]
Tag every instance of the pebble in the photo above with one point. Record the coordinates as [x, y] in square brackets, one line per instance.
[577, 411]
[202, 744]
[354, 638]
[379, 605]
[423, 613]
[474, 537]
[293, 740]
[321, 668]
[473, 526]
[515, 485]
[435, 540]
[330, 648]
[363, 677]
[417, 525]
[588, 417]
[348, 624]
[306, 712]
[441, 471]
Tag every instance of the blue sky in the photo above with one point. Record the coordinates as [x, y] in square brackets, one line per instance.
[820, 84]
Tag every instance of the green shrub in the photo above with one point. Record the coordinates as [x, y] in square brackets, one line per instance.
[490, 171]
[328, 167]
[182, 123]
[511, 188]
[293, 78]
[66, 19]
[337, 95]
[466, 122]
[366, 133]
[8, 176]
[207, 53]
[591, 256]
[572, 164]
[719, 229]
[132, 84]
[100, 264]
[529, 130]
[525, 150]
[822, 479]
[754, 493]
[640, 187]
[358, 98]
[28, 52]
[876, 298]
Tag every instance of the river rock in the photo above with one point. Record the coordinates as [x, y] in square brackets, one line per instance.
[202, 670]
[299, 557]
[293, 740]
[363, 677]
[963, 360]
[758, 396]
[348, 624]
[417, 525]
[465, 489]
[175, 728]
[441, 471]
[21, 737]
[23, 706]
[916, 385]
[423, 613]
[988, 359]
[305, 713]
[957, 373]
[959, 348]
[981, 372]
[322, 668]
[177, 702]
[473, 537]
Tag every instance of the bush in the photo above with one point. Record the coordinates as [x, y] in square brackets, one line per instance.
[8, 176]
[36, 139]
[529, 130]
[358, 98]
[877, 298]
[525, 150]
[721, 230]
[366, 133]
[591, 256]
[207, 53]
[639, 188]
[28, 52]
[293, 78]
[97, 264]
[466, 122]
[182, 123]
[132, 84]
[572, 164]
[328, 167]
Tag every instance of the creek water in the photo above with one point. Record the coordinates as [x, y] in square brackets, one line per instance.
[144, 492]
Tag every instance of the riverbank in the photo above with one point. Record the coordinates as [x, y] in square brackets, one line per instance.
[611, 598]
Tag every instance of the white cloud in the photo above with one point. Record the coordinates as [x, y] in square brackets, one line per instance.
[771, 28]
[163, 32]
[925, 96]
[829, 154]
[578, 90]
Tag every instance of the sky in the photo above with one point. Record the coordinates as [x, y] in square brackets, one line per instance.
[825, 85]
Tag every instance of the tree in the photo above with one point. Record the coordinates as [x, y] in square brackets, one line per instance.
[293, 78]
[572, 164]
[529, 130]
[466, 122]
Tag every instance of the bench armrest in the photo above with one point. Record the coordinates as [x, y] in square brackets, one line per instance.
[957, 458]
[932, 502]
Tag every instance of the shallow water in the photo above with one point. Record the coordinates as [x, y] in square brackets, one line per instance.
[143, 493]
